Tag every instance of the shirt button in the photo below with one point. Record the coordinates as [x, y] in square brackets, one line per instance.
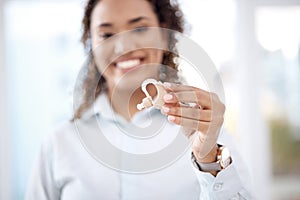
[218, 186]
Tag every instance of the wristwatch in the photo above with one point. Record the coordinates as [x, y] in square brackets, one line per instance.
[223, 160]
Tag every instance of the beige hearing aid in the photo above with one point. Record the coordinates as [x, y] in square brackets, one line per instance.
[157, 101]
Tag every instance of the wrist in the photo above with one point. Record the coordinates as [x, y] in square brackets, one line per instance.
[210, 157]
[221, 160]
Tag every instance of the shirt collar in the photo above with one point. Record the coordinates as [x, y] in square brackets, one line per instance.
[102, 107]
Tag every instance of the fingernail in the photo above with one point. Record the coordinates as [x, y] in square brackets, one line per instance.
[168, 97]
[165, 109]
[171, 118]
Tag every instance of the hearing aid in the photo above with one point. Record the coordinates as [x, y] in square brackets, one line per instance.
[148, 101]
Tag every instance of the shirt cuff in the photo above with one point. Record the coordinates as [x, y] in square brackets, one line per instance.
[226, 185]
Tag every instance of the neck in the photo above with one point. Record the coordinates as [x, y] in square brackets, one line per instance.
[124, 102]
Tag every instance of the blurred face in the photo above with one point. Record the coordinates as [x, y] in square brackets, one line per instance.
[120, 31]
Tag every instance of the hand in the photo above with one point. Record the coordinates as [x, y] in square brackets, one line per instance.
[205, 118]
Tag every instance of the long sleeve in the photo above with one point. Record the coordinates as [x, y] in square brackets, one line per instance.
[41, 184]
[231, 183]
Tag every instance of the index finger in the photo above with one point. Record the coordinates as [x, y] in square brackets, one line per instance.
[174, 87]
[186, 93]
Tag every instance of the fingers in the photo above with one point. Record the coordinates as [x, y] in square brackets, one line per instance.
[202, 122]
[178, 88]
[186, 122]
[184, 93]
[188, 112]
[205, 127]
[207, 114]
[197, 97]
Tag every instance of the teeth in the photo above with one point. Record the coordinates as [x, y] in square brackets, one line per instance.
[128, 63]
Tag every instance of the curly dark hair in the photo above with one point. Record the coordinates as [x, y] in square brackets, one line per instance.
[168, 13]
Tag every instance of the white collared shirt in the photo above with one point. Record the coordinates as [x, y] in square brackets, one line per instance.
[67, 170]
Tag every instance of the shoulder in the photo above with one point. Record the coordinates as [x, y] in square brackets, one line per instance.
[60, 137]
[61, 131]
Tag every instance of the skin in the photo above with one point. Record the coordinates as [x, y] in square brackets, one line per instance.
[206, 119]
[110, 17]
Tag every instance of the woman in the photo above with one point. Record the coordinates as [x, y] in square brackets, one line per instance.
[66, 170]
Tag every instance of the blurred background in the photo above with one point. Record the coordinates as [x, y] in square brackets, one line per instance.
[254, 44]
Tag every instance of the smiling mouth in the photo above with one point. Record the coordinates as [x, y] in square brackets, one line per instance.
[129, 64]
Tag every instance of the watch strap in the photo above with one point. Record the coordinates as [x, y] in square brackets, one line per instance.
[223, 160]
[206, 167]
